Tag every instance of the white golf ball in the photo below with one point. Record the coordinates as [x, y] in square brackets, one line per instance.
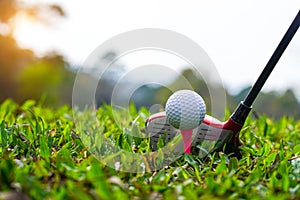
[185, 109]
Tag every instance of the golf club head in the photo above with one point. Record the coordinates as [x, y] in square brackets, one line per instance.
[211, 135]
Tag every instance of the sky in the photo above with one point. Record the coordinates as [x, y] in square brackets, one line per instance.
[239, 36]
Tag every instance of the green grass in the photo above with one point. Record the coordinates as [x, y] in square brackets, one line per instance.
[42, 157]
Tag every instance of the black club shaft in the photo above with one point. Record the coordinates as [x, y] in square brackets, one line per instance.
[272, 62]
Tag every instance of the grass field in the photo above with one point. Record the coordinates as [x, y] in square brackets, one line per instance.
[42, 157]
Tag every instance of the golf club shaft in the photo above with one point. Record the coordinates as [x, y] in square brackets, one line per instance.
[272, 62]
[240, 114]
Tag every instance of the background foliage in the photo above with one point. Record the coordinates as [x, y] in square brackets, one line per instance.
[24, 75]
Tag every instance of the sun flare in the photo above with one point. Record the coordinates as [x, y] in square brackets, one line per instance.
[29, 31]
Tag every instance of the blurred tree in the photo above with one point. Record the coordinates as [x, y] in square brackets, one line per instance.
[273, 104]
[149, 95]
[8, 9]
[289, 103]
[24, 75]
[40, 12]
[47, 76]
[12, 59]
[109, 78]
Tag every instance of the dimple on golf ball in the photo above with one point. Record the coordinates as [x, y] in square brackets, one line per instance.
[185, 109]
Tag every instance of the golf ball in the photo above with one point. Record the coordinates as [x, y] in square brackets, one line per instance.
[185, 109]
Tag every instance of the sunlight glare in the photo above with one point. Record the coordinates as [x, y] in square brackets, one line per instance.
[29, 32]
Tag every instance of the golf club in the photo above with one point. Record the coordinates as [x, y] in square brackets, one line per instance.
[224, 135]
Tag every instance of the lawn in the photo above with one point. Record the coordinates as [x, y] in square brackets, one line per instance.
[43, 157]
